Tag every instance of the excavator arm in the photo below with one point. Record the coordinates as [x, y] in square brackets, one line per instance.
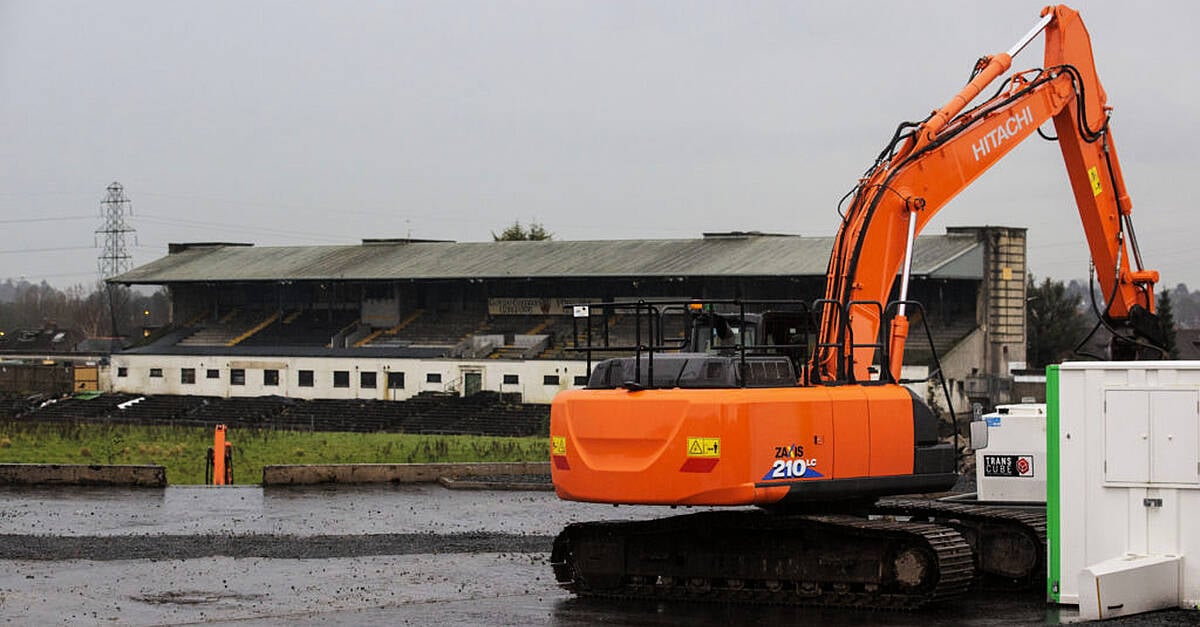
[930, 162]
[817, 457]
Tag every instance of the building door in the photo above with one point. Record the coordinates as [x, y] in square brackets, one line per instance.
[472, 382]
[395, 381]
[87, 379]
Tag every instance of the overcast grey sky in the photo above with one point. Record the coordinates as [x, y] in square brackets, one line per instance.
[291, 123]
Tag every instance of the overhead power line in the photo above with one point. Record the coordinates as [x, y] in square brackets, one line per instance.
[59, 219]
[45, 250]
[32, 276]
[237, 228]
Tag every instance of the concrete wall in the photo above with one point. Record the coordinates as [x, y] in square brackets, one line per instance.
[981, 364]
[132, 374]
[963, 361]
[1004, 289]
[79, 474]
[380, 313]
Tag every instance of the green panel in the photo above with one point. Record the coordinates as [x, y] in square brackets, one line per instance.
[1053, 517]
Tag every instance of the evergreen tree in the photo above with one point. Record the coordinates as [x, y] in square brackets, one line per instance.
[1166, 316]
[515, 232]
[538, 233]
[1185, 305]
[1053, 322]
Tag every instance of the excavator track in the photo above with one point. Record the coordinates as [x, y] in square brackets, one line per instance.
[1009, 544]
[751, 556]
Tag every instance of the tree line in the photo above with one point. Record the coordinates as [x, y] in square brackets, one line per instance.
[90, 310]
[1060, 319]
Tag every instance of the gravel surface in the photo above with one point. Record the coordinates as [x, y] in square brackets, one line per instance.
[510, 588]
[354, 555]
[301, 511]
[107, 548]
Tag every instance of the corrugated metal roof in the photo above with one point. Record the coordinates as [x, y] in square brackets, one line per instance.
[718, 256]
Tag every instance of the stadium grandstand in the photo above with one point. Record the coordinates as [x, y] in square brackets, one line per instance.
[392, 319]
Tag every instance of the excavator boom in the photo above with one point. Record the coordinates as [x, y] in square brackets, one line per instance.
[949, 150]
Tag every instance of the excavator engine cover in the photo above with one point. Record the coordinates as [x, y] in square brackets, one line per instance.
[745, 446]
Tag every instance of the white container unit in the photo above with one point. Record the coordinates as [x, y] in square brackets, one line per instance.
[1010, 457]
[1123, 486]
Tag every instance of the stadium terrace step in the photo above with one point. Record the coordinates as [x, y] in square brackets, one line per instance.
[370, 339]
[254, 329]
[311, 327]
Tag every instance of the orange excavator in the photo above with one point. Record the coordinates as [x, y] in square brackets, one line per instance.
[815, 441]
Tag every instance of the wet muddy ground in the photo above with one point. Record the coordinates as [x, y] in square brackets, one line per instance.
[344, 555]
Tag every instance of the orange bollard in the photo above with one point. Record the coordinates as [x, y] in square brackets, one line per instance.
[222, 462]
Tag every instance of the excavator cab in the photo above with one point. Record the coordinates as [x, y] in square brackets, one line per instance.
[714, 332]
[720, 345]
[779, 330]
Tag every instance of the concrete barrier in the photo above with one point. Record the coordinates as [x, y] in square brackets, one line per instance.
[309, 474]
[81, 474]
[514, 482]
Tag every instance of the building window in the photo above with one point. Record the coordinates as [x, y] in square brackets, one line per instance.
[550, 379]
[580, 380]
[306, 379]
[341, 378]
[271, 377]
[237, 376]
[156, 373]
[395, 380]
[213, 373]
[122, 371]
[366, 380]
[187, 375]
[511, 379]
[433, 377]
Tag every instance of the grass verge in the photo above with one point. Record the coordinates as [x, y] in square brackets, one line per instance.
[182, 450]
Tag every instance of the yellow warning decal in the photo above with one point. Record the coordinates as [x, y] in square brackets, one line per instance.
[558, 445]
[1094, 177]
[704, 447]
